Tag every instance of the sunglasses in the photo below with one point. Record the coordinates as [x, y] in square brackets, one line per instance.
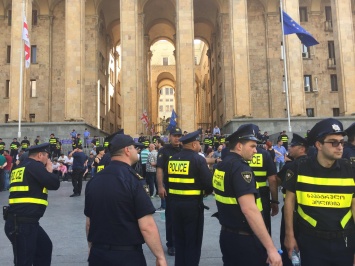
[335, 143]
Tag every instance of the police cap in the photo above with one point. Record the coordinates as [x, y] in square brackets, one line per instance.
[110, 137]
[121, 141]
[244, 132]
[175, 131]
[193, 136]
[297, 140]
[323, 128]
[350, 131]
[44, 147]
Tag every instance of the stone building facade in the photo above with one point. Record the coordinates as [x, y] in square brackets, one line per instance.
[91, 61]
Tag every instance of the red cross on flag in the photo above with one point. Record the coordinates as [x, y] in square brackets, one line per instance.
[26, 39]
[144, 118]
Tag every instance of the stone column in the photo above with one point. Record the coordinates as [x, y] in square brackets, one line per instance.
[17, 49]
[294, 65]
[130, 115]
[74, 58]
[185, 65]
[240, 58]
[345, 54]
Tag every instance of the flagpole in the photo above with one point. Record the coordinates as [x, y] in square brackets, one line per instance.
[285, 67]
[21, 75]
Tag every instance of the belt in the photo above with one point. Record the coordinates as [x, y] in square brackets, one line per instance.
[236, 231]
[116, 247]
[326, 234]
[22, 219]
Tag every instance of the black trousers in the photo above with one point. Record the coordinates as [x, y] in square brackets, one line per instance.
[326, 252]
[188, 222]
[265, 201]
[77, 180]
[102, 257]
[168, 223]
[241, 250]
[32, 244]
[285, 259]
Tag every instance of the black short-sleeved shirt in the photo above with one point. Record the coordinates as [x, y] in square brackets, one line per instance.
[262, 161]
[114, 201]
[237, 181]
[320, 198]
[106, 159]
[196, 168]
[163, 156]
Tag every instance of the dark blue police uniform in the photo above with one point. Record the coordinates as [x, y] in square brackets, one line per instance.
[233, 178]
[162, 161]
[114, 201]
[29, 185]
[263, 167]
[326, 229]
[189, 179]
[349, 148]
[297, 140]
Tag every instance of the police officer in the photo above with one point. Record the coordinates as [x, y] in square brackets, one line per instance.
[52, 144]
[284, 139]
[119, 211]
[2, 146]
[189, 180]
[14, 145]
[297, 150]
[325, 191]
[162, 179]
[25, 143]
[79, 142]
[243, 237]
[141, 138]
[349, 147]
[106, 159]
[28, 201]
[155, 138]
[265, 175]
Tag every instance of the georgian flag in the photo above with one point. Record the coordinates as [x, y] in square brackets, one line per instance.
[26, 39]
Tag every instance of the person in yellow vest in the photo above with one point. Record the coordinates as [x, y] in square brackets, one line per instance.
[2, 146]
[52, 144]
[29, 185]
[323, 188]
[244, 239]
[284, 138]
[25, 143]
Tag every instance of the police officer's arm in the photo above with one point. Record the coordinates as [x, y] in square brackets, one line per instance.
[274, 194]
[290, 200]
[161, 160]
[256, 223]
[290, 240]
[46, 178]
[205, 176]
[87, 228]
[151, 236]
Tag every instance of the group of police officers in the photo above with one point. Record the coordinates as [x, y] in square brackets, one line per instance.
[318, 214]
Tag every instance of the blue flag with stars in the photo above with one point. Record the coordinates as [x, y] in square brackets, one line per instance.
[291, 27]
[172, 120]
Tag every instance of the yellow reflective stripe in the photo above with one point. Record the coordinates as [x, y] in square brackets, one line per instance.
[259, 173]
[326, 200]
[185, 192]
[225, 200]
[45, 191]
[19, 188]
[341, 182]
[346, 218]
[261, 184]
[99, 168]
[259, 204]
[181, 180]
[28, 200]
[306, 217]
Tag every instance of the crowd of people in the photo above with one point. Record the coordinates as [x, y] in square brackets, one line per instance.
[242, 171]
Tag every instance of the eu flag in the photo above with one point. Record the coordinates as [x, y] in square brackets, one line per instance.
[172, 120]
[291, 26]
